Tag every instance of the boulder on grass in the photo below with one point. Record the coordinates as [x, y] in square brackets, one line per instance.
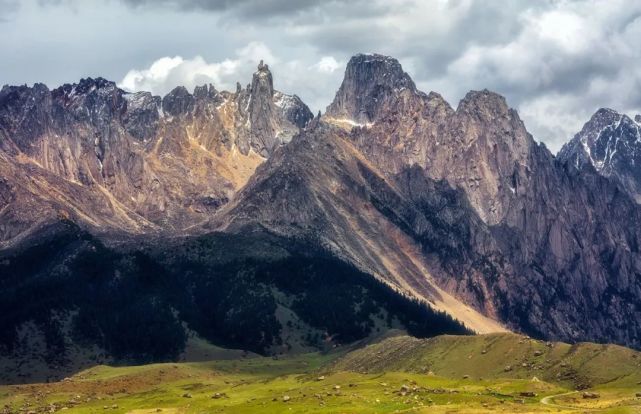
[590, 395]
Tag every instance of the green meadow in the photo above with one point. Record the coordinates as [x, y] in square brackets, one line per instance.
[448, 374]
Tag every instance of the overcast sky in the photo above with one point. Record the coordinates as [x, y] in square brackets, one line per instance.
[555, 61]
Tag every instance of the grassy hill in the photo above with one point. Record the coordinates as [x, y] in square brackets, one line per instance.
[583, 365]
[447, 374]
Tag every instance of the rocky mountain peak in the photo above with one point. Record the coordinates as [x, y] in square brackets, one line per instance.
[88, 84]
[484, 103]
[371, 84]
[293, 108]
[98, 89]
[274, 117]
[458, 207]
[262, 82]
[178, 101]
[602, 118]
[486, 114]
[16, 97]
[482, 147]
[135, 161]
[611, 143]
[205, 92]
[637, 119]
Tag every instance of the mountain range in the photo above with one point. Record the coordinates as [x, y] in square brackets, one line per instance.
[131, 224]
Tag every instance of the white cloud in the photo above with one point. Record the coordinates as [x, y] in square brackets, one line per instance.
[309, 81]
[327, 64]
[567, 61]
[147, 79]
[168, 72]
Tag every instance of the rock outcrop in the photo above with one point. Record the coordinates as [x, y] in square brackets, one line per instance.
[273, 120]
[373, 85]
[481, 146]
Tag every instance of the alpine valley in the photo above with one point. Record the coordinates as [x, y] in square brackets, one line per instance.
[237, 226]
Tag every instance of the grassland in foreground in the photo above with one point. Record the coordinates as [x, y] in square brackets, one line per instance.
[449, 374]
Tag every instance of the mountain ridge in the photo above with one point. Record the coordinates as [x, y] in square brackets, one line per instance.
[111, 143]
[460, 210]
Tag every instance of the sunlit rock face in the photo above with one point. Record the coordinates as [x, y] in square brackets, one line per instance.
[132, 161]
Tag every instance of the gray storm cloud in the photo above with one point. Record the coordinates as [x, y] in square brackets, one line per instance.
[260, 9]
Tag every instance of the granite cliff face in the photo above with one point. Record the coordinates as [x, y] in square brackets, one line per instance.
[458, 208]
[134, 162]
[611, 144]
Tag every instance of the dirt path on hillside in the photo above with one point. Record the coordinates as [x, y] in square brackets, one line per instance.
[549, 402]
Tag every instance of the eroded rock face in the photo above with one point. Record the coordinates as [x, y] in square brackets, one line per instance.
[143, 115]
[158, 163]
[320, 189]
[610, 143]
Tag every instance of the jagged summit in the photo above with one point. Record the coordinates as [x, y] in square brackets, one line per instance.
[178, 101]
[264, 126]
[71, 91]
[371, 85]
[595, 143]
[262, 81]
[398, 126]
[205, 91]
